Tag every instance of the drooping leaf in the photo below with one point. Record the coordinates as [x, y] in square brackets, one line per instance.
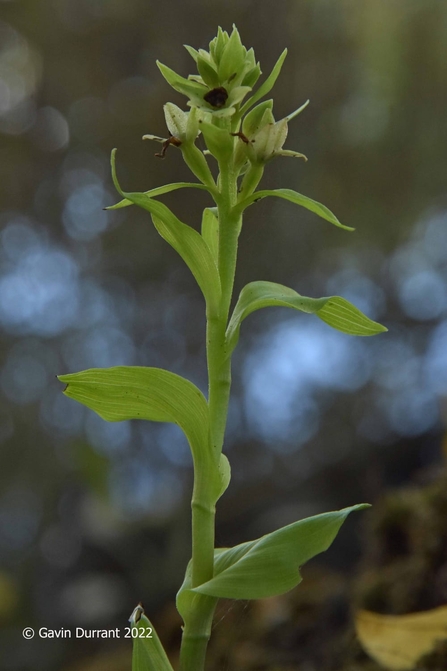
[184, 239]
[298, 199]
[343, 316]
[136, 392]
[267, 85]
[270, 565]
[148, 653]
[335, 311]
[159, 191]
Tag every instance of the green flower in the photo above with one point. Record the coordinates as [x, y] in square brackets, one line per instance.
[226, 73]
[183, 127]
[263, 137]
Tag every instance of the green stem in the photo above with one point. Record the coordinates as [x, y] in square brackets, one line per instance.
[196, 634]
[198, 623]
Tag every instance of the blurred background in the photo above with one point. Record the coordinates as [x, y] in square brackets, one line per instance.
[94, 516]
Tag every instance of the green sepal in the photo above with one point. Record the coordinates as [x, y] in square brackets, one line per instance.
[210, 230]
[159, 191]
[207, 72]
[148, 653]
[254, 120]
[297, 198]
[184, 239]
[187, 87]
[232, 60]
[192, 52]
[252, 76]
[267, 85]
[217, 45]
[334, 310]
[270, 565]
[218, 141]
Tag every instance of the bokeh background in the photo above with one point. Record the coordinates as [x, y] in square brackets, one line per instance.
[95, 516]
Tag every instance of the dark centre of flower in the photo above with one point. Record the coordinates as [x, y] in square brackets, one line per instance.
[216, 97]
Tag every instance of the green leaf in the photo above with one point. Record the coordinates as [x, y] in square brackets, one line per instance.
[271, 564]
[298, 199]
[335, 311]
[136, 392]
[148, 653]
[225, 474]
[184, 239]
[159, 191]
[210, 230]
[343, 316]
[267, 85]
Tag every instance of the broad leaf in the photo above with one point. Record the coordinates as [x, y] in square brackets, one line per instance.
[335, 311]
[184, 239]
[271, 565]
[267, 85]
[135, 392]
[159, 191]
[298, 199]
[148, 653]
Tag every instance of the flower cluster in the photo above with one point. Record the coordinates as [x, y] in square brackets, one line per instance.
[226, 74]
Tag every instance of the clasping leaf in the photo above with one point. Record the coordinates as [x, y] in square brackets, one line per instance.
[184, 239]
[334, 310]
[270, 565]
[148, 653]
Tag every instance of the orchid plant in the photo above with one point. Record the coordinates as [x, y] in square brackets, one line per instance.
[241, 137]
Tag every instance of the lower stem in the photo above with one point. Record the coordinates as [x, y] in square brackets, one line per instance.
[196, 634]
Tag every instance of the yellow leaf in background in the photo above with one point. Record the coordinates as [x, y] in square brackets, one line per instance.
[397, 642]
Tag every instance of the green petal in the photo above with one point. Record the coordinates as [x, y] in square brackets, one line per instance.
[270, 565]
